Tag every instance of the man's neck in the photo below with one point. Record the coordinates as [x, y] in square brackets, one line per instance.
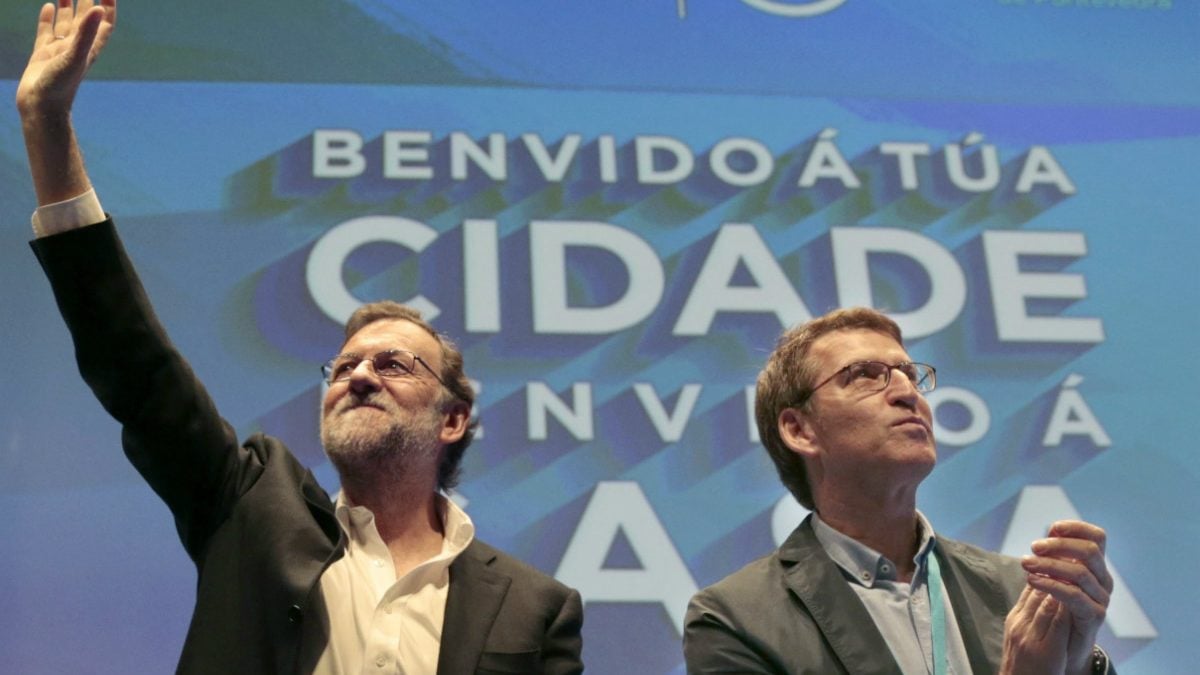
[409, 519]
[891, 531]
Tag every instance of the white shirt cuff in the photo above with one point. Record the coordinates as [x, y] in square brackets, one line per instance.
[70, 214]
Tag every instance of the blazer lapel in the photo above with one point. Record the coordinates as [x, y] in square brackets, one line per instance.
[476, 593]
[819, 585]
[980, 604]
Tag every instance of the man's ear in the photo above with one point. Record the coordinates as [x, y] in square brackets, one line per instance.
[798, 433]
[454, 425]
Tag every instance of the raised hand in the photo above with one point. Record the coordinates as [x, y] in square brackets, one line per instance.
[66, 44]
[69, 39]
[1036, 634]
[1069, 566]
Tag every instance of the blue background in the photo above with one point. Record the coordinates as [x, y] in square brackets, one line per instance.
[196, 125]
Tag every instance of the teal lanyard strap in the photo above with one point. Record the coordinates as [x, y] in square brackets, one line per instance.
[937, 613]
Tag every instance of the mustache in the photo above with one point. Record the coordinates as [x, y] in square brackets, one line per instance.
[375, 399]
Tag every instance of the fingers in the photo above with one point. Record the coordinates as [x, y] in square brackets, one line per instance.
[1089, 574]
[1082, 606]
[1051, 620]
[110, 12]
[84, 41]
[1077, 529]
[1036, 634]
[64, 16]
[1074, 551]
[82, 30]
[1037, 610]
[107, 23]
[45, 27]
[69, 38]
[68, 17]
[1069, 568]
[1023, 601]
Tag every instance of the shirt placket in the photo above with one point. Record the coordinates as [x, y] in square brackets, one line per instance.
[921, 616]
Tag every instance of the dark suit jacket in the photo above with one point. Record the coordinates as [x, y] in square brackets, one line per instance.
[255, 522]
[793, 612]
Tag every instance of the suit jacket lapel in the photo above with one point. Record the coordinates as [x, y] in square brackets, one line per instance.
[979, 602]
[818, 583]
[476, 593]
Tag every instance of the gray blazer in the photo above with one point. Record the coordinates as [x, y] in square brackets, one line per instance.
[792, 612]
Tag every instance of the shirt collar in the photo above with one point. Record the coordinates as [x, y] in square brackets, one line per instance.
[457, 528]
[864, 564]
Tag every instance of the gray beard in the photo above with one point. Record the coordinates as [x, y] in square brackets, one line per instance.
[368, 453]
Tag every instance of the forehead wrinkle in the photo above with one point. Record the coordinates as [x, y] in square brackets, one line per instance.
[389, 334]
[851, 346]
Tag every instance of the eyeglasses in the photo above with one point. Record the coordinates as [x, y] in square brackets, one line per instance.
[872, 376]
[393, 364]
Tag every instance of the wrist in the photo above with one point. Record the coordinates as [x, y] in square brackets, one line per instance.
[43, 120]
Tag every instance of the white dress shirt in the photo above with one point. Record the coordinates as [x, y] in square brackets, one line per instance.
[379, 623]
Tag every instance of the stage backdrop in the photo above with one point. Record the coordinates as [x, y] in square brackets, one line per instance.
[616, 207]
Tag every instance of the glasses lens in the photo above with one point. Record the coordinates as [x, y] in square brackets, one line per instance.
[925, 377]
[340, 367]
[393, 364]
[867, 375]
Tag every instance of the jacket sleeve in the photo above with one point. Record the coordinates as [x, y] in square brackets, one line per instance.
[561, 650]
[171, 431]
[710, 643]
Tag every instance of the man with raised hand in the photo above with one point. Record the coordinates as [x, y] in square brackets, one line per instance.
[864, 585]
[389, 576]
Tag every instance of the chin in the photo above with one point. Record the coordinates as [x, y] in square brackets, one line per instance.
[348, 440]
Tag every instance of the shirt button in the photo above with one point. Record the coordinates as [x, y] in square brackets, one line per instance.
[381, 660]
[885, 568]
[866, 576]
[378, 562]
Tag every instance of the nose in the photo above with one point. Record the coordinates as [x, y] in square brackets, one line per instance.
[902, 391]
[364, 379]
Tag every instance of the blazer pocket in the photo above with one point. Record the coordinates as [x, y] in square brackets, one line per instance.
[510, 662]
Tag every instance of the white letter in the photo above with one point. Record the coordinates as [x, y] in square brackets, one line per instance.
[406, 146]
[669, 426]
[981, 418]
[621, 507]
[1038, 507]
[606, 146]
[947, 286]
[548, 242]
[826, 161]
[1011, 287]
[750, 392]
[540, 399]
[718, 159]
[1041, 167]
[957, 172]
[552, 168]
[481, 276]
[492, 160]
[324, 269]
[1073, 416]
[712, 292]
[337, 153]
[646, 147]
[906, 160]
[477, 387]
